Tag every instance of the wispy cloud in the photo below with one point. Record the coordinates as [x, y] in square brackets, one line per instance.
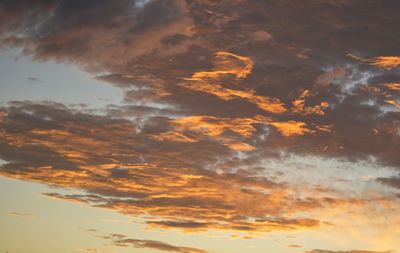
[345, 251]
[18, 214]
[123, 241]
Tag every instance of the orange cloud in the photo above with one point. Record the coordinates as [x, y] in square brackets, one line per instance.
[272, 105]
[169, 185]
[240, 146]
[226, 64]
[181, 173]
[173, 136]
[294, 246]
[300, 108]
[2, 116]
[163, 190]
[195, 128]
[291, 128]
[385, 62]
[213, 127]
[392, 102]
[392, 86]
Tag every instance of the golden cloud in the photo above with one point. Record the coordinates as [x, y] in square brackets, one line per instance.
[195, 128]
[169, 190]
[392, 86]
[291, 128]
[385, 62]
[228, 64]
[300, 108]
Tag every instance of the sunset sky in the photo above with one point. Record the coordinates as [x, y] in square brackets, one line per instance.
[200, 126]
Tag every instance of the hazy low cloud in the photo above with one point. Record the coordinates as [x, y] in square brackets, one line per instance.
[18, 214]
[123, 241]
[345, 251]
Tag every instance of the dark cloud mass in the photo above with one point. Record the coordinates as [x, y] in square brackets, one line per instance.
[212, 89]
[235, 62]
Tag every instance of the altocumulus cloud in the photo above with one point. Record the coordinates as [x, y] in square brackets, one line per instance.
[212, 89]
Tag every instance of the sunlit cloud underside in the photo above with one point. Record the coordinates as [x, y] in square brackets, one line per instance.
[239, 121]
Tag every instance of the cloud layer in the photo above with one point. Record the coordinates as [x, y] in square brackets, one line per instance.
[214, 91]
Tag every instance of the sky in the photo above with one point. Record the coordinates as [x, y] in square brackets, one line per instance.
[199, 126]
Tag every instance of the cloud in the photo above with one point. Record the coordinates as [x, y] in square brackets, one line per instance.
[390, 181]
[392, 86]
[222, 129]
[345, 251]
[58, 27]
[123, 241]
[291, 128]
[264, 103]
[135, 175]
[88, 250]
[190, 186]
[18, 214]
[299, 105]
[385, 62]
[225, 66]
[294, 246]
[213, 91]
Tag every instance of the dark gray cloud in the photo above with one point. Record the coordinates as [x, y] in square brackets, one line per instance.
[391, 181]
[148, 51]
